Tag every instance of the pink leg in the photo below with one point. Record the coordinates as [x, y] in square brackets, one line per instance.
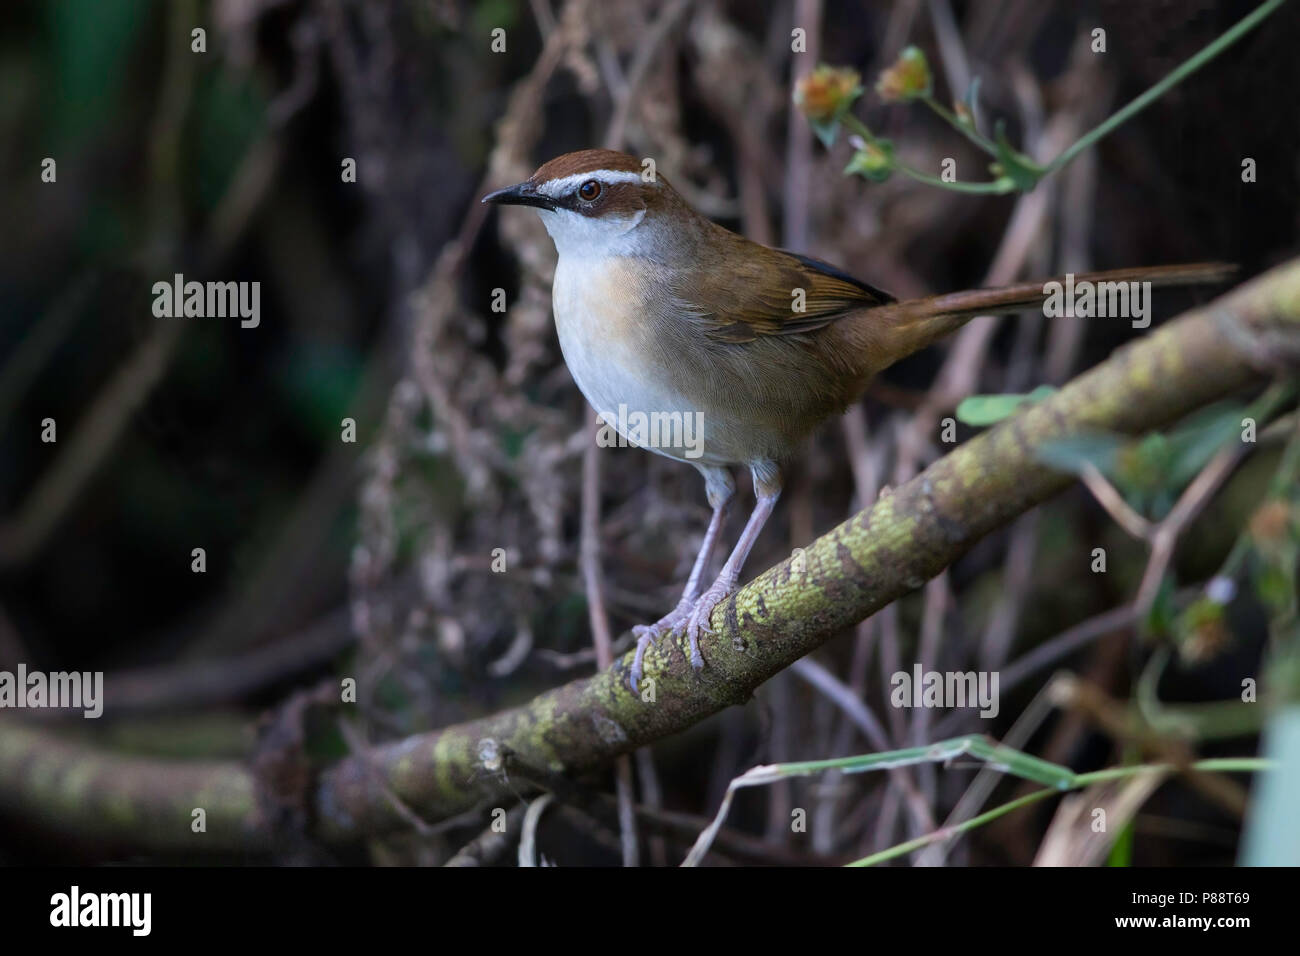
[692, 590]
[720, 489]
[730, 574]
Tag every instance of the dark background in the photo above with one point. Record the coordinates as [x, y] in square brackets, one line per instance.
[226, 165]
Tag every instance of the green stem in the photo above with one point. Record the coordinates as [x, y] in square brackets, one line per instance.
[1000, 186]
[967, 130]
[997, 186]
[859, 127]
[903, 849]
[1217, 765]
[1190, 66]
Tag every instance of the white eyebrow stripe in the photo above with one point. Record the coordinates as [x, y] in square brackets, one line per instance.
[556, 188]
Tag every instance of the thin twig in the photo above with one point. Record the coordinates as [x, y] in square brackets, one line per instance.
[1188, 506]
[1109, 498]
[645, 54]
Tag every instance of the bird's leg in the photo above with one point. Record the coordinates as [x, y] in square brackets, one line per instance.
[720, 489]
[767, 489]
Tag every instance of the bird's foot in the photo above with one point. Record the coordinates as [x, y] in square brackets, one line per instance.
[691, 617]
[653, 633]
[698, 621]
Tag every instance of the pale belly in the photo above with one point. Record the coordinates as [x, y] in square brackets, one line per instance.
[603, 334]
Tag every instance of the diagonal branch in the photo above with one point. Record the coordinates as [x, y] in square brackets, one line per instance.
[854, 570]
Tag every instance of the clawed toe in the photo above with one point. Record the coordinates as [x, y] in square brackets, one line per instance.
[652, 634]
[698, 623]
[690, 619]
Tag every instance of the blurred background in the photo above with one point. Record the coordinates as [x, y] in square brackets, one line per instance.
[374, 558]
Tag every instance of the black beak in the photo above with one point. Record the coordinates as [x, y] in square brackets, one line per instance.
[524, 194]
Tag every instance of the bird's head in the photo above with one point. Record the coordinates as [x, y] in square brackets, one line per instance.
[594, 202]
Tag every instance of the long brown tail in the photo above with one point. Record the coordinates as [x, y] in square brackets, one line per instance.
[916, 323]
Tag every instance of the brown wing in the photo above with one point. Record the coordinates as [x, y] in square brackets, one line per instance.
[764, 295]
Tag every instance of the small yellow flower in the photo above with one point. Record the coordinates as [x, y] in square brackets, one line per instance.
[826, 92]
[907, 79]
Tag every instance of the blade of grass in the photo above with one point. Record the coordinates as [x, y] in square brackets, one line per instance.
[1217, 765]
[1006, 759]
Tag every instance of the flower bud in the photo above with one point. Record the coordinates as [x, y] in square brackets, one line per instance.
[873, 160]
[907, 79]
[827, 92]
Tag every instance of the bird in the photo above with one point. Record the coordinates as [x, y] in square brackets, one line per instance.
[661, 311]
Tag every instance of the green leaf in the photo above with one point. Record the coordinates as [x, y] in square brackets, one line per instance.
[1099, 449]
[1016, 166]
[1199, 438]
[972, 104]
[981, 410]
[1272, 836]
[1273, 586]
[1142, 473]
[1002, 758]
[1121, 854]
[826, 130]
[875, 161]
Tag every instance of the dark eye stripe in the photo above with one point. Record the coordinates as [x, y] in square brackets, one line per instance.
[614, 199]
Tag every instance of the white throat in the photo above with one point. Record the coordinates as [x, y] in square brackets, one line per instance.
[584, 237]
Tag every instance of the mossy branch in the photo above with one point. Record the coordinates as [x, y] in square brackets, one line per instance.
[854, 570]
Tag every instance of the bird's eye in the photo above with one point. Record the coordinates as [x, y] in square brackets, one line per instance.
[589, 190]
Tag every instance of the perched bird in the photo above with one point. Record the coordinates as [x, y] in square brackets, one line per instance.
[661, 311]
